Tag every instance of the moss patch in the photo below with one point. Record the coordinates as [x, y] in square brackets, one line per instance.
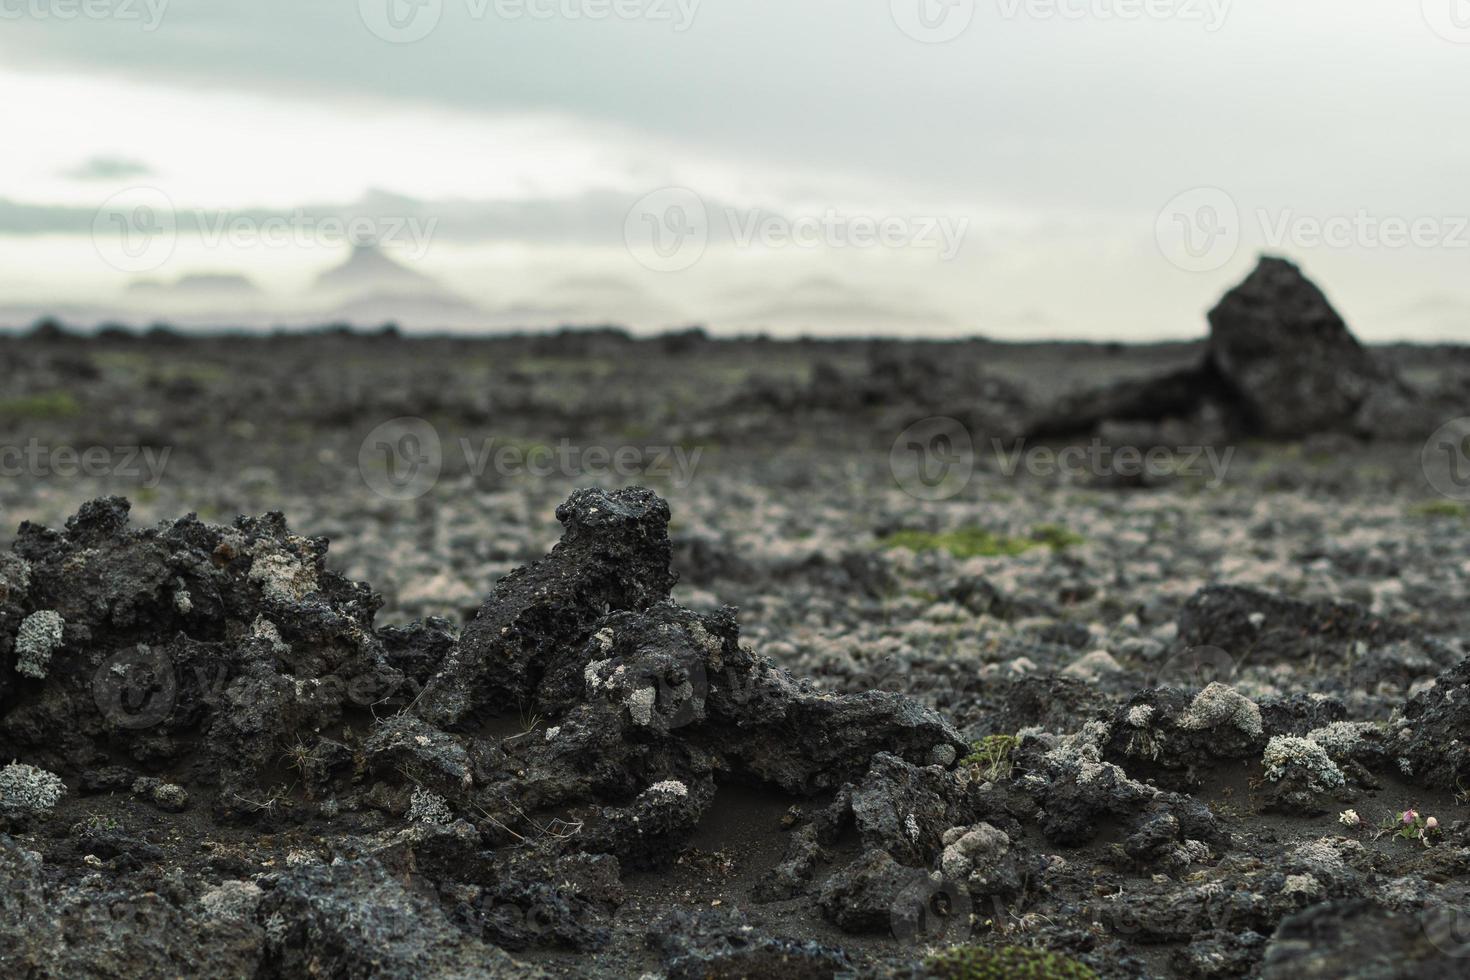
[1439, 508]
[990, 757]
[978, 542]
[46, 405]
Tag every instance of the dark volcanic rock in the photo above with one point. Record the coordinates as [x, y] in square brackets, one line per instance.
[714, 944]
[1258, 627]
[228, 665]
[614, 556]
[1291, 361]
[1430, 739]
[1175, 395]
[1280, 363]
[354, 919]
[1356, 938]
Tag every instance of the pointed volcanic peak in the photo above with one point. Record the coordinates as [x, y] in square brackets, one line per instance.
[1288, 356]
[370, 270]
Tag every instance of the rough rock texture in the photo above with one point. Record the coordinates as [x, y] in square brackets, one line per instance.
[209, 662]
[1355, 938]
[1431, 741]
[1251, 625]
[614, 556]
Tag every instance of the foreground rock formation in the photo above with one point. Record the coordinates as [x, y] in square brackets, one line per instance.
[225, 767]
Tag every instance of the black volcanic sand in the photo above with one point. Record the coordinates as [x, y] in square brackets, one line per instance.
[778, 718]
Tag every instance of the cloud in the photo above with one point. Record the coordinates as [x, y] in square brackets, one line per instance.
[108, 168]
[17, 218]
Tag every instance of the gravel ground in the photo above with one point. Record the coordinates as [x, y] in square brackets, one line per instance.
[1160, 698]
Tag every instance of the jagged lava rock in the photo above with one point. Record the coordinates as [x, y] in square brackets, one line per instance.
[614, 555]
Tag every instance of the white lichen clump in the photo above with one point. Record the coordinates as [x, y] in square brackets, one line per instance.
[426, 806]
[282, 576]
[39, 636]
[1341, 738]
[640, 705]
[1140, 715]
[1285, 752]
[965, 849]
[1219, 704]
[15, 576]
[27, 790]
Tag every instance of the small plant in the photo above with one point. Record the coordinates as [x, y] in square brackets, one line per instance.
[1409, 825]
[990, 757]
[1004, 963]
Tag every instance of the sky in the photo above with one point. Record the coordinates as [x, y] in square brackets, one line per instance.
[1024, 169]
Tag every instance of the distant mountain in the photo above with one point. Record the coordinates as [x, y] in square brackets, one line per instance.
[198, 286]
[371, 271]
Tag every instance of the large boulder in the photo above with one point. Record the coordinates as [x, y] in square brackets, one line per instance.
[1280, 363]
[1287, 357]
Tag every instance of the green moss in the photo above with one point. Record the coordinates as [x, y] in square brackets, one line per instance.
[991, 756]
[1439, 508]
[981, 963]
[46, 405]
[1056, 537]
[977, 542]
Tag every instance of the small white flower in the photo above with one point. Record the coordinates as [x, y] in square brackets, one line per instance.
[1349, 818]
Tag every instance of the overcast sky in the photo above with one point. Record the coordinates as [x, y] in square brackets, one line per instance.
[1022, 168]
